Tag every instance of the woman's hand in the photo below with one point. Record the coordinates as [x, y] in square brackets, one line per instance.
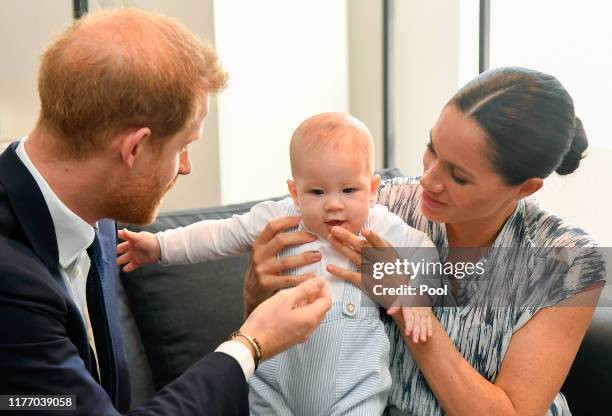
[263, 277]
[351, 247]
[378, 251]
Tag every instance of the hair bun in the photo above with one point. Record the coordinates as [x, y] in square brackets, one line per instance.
[574, 155]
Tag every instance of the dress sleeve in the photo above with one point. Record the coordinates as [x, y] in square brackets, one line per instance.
[215, 239]
[561, 274]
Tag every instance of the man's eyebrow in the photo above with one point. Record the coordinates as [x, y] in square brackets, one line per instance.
[451, 164]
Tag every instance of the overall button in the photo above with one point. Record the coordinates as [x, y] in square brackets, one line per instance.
[349, 309]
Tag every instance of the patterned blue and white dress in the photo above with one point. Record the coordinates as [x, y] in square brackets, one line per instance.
[516, 288]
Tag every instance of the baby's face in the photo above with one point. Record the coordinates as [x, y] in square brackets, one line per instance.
[333, 189]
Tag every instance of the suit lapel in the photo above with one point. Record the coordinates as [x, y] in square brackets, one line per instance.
[30, 209]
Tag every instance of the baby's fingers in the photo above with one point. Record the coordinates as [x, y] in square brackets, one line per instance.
[409, 319]
[128, 235]
[124, 258]
[392, 310]
[123, 247]
[132, 265]
[424, 329]
[416, 332]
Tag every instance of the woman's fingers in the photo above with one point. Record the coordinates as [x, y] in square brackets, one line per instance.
[276, 226]
[289, 281]
[374, 239]
[275, 265]
[344, 274]
[275, 283]
[277, 243]
[348, 238]
[348, 252]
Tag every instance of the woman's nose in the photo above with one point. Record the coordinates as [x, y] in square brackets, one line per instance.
[430, 181]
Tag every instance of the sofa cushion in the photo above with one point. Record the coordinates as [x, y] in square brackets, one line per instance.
[184, 312]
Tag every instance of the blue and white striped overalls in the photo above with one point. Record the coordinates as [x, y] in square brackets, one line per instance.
[343, 369]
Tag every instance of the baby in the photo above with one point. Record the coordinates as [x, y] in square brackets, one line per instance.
[343, 367]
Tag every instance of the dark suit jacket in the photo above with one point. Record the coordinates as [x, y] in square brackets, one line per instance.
[43, 342]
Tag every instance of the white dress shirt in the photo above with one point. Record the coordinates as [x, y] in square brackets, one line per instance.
[74, 235]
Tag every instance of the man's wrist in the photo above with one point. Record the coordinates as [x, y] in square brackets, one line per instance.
[246, 344]
[241, 353]
[251, 342]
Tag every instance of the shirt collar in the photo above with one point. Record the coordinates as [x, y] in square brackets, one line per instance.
[73, 233]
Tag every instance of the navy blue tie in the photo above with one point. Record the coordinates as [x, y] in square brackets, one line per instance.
[97, 313]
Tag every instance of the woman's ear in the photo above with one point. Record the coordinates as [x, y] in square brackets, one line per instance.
[374, 188]
[529, 187]
[293, 191]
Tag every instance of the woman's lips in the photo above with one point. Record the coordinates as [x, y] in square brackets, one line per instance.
[431, 202]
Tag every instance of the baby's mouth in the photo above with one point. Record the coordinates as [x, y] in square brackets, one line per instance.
[334, 223]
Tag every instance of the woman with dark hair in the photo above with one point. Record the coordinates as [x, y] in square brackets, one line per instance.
[505, 349]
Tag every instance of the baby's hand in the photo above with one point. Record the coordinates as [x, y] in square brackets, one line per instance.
[418, 322]
[137, 249]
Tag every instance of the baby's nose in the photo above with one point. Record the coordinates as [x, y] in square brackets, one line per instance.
[333, 204]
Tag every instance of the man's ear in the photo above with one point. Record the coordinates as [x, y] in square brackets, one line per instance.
[293, 191]
[529, 187]
[374, 188]
[131, 143]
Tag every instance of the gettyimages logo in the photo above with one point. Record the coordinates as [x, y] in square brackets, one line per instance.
[523, 277]
[431, 268]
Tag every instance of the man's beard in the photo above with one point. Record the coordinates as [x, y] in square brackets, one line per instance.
[137, 201]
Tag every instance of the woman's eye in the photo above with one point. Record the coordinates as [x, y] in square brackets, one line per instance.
[430, 148]
[348, 190]
[459, 181]
[316, 192]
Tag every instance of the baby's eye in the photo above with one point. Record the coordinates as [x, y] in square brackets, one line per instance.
[349, 190]
[316, 192]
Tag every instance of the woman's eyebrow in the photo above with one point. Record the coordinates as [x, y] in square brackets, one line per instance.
[454, 166]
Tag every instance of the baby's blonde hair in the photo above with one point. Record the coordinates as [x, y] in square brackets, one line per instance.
[331, 132]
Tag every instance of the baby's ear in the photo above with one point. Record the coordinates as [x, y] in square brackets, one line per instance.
[374, 188]
[293, 191]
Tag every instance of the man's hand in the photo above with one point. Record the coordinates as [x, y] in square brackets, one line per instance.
[137, 249]
[263, 277]
[289, 317]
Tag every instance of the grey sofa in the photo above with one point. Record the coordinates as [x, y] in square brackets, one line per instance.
[172, 316]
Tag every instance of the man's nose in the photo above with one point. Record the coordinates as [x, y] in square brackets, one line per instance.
[184, 163]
